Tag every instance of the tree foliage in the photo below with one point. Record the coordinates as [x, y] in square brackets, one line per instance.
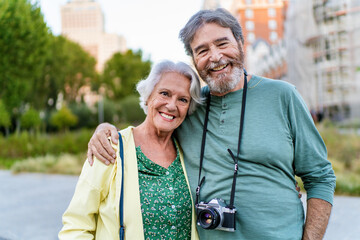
[37, 67]
[86, 117]
[122, 72]
[131, 112]
[30, 119]
[68, 68]
[63, 119]
[5, 120]
[24, 39]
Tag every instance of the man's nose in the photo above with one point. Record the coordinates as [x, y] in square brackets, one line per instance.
[215, 55]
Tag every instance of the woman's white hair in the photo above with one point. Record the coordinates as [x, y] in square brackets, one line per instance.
[146, 86]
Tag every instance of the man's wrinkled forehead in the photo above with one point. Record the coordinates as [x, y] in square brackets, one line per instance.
[218, 36]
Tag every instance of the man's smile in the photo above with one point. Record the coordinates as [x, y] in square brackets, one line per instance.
[219, 68]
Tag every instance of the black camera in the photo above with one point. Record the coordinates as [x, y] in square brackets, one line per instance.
[216, 215]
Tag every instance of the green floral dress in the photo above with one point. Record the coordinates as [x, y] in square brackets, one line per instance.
[165, 199]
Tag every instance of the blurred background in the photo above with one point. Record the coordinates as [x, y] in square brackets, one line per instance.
[68, 65]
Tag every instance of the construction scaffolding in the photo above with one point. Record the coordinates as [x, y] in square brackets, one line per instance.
[324, 55]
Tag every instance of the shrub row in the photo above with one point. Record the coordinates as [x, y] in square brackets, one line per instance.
[26, 145]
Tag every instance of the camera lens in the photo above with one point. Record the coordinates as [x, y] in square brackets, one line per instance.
[208, 218]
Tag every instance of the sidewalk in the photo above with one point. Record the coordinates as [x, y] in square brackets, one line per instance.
[31, 206]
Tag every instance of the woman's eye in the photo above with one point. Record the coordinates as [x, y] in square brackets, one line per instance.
[184, 100]
[164, 93]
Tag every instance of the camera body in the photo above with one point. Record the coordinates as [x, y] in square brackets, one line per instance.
[216, 215]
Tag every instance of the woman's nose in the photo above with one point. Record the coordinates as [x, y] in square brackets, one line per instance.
[171, 105]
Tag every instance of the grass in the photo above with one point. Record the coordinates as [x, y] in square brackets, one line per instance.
[62, 164]
[343, 150]
[26, 145]
[347, 180]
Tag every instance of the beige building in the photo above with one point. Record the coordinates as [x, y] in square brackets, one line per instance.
[260, 19]
[325, 64]
[83, 22]
[262, 22]
[212, 4]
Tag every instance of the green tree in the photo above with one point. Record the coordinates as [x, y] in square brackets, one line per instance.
[5, 120]
[110, 110]
[68, 68]
[24, 39]
[30, 119]
[63, 119]
[131, 112]
[122, 72]
[86, 117]
[80, 70]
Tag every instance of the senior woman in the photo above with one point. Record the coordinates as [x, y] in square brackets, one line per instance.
[157, 200]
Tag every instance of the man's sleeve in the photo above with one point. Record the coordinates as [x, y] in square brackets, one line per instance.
[311, 163]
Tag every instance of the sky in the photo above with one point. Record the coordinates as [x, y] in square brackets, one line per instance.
[150, 25]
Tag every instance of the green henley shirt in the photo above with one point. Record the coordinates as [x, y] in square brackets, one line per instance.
[279, 141]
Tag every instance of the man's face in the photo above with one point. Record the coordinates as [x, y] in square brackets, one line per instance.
[218, 58]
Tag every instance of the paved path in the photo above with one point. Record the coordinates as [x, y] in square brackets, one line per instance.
[31, 206]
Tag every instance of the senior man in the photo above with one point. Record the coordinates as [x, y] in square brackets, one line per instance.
[257, 126]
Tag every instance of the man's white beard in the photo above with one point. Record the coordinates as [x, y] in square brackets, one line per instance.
[224, 84]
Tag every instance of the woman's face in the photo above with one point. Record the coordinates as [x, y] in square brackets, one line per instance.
[169, 102]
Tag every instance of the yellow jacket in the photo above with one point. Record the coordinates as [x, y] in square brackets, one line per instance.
[93, 212]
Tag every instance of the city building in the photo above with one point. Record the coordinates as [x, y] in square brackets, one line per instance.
[312, 44]
[263, 27]
[260, 19]
[324, 55]
[213, 4]
[267, 60]
[82, 21]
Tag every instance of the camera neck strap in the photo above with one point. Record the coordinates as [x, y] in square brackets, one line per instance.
[201, 180]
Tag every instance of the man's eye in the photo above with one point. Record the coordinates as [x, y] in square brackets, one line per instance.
[202, 52]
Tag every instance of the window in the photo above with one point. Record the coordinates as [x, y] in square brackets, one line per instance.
[248, 2]
[271, 1]
[272, 24]
[273, 36]
[249, 25]
[271, 12]
[249, 13]
[250, 37]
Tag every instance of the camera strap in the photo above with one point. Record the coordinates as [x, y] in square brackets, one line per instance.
[200, 182]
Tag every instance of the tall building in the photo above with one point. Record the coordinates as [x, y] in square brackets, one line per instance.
[260, 19]
[329, 55]
[262, 22]
[83, 22]
[267, 60]
[263, 28]
[212, 4]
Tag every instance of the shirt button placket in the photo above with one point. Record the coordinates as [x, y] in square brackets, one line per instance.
[224, 107]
